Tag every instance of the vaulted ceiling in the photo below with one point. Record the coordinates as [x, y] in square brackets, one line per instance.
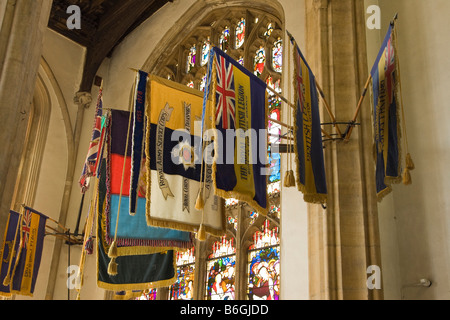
[104, 24]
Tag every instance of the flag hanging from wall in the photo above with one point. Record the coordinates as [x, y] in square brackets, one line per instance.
[174, 161]
[22, 252]
[134, 236]
[134, 272]
[386, 115]
[308, 147]
[9, 251]
[239, 116]
[91, 163]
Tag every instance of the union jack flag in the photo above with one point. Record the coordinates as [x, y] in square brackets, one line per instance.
[226, 96]
[390, 70]
[90, 165]
[26, 227]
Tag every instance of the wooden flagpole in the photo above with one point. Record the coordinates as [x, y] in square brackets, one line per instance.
[292, 128]
[358, 109]
[333, 118]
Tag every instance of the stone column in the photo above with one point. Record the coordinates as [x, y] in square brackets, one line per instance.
[344, 238]
[21, 35]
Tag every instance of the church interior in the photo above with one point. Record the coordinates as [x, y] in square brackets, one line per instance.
[58, 57]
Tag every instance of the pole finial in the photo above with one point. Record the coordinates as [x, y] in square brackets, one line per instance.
[394, 19]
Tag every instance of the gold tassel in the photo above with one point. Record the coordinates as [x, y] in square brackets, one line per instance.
[292, 178]
[7, 280]
[201, 235]
[200, 203]
[289, 179]
[286, 182]
[407, 177]
[112, 267]
[112, 253]
[409, 162]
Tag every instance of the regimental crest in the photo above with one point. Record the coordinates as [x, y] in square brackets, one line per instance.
[185, 154]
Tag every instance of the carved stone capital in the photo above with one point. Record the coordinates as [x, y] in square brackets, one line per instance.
[83, 99]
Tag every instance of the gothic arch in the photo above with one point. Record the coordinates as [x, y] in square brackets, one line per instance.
[36, 134]
[194, 16]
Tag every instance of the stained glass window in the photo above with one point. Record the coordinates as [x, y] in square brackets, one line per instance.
[277, 55]
[265, 238]
[205, 51]
[192, 55]
[264, 265]
[225, 39]
[274, 188]
[253, 216]
[149, 295]
[275, 210]
[274, 130]
[269, 30]
[259, 62]
[240, 33]
[275, 86]
[220, 268]
[183, 288]
[203, 83]
[231, 202]
[275, 163]
[233, 222]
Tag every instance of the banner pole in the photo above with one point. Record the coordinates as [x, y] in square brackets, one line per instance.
[358, 109]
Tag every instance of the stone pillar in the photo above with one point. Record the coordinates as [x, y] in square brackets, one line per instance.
[22, 31]
[344, 238]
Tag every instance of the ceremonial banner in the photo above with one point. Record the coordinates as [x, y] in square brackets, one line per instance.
[308, 147]
[137, 153]
[91, 164]
[23, 263]
[9, 251]
[173, 159]
[385, 83]
[239, 115]
[134, 236]
[134, 272]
